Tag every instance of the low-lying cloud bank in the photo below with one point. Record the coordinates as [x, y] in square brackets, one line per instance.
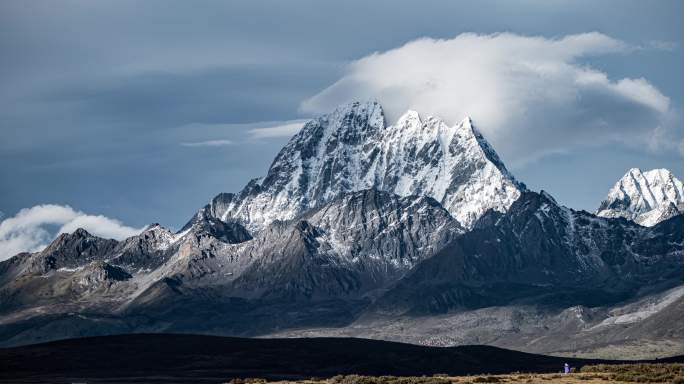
[31, 229]
[530, 96]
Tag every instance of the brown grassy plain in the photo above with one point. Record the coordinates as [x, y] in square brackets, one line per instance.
[592, 374]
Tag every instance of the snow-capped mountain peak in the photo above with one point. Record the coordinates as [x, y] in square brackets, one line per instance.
[645, 197]
[353, 149]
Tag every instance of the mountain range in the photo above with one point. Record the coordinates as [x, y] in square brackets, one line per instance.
[413, 231]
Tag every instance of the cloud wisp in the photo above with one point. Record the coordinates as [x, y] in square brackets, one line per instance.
[202, 135]
[285, 129]
[530, 96]
[207, 143]
[29, 230]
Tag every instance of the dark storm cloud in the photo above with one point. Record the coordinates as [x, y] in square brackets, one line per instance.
[236, 94]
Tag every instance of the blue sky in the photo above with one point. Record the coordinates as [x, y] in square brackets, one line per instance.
[143, 111]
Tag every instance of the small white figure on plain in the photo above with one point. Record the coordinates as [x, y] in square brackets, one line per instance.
[566, 368]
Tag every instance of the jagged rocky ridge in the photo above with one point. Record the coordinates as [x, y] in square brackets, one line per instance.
[647, 198]
[348, 248]
[547, 252]
[353, 149]
[368, 230]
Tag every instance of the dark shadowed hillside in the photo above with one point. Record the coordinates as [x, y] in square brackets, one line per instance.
[194, 358]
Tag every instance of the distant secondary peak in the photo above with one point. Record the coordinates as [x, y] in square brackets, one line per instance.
[645, 197]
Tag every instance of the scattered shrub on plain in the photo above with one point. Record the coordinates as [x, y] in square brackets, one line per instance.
[486, 379]
[639, 373]
[249, 380]
[358, 379]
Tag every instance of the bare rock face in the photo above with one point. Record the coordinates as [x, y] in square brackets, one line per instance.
[99, 274]
[146, 251]
[227, 231]
[354, 244]
[70, 251]
[646, 198]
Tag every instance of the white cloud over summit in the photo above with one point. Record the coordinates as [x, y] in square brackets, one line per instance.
[530, 96]
[29, 230]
